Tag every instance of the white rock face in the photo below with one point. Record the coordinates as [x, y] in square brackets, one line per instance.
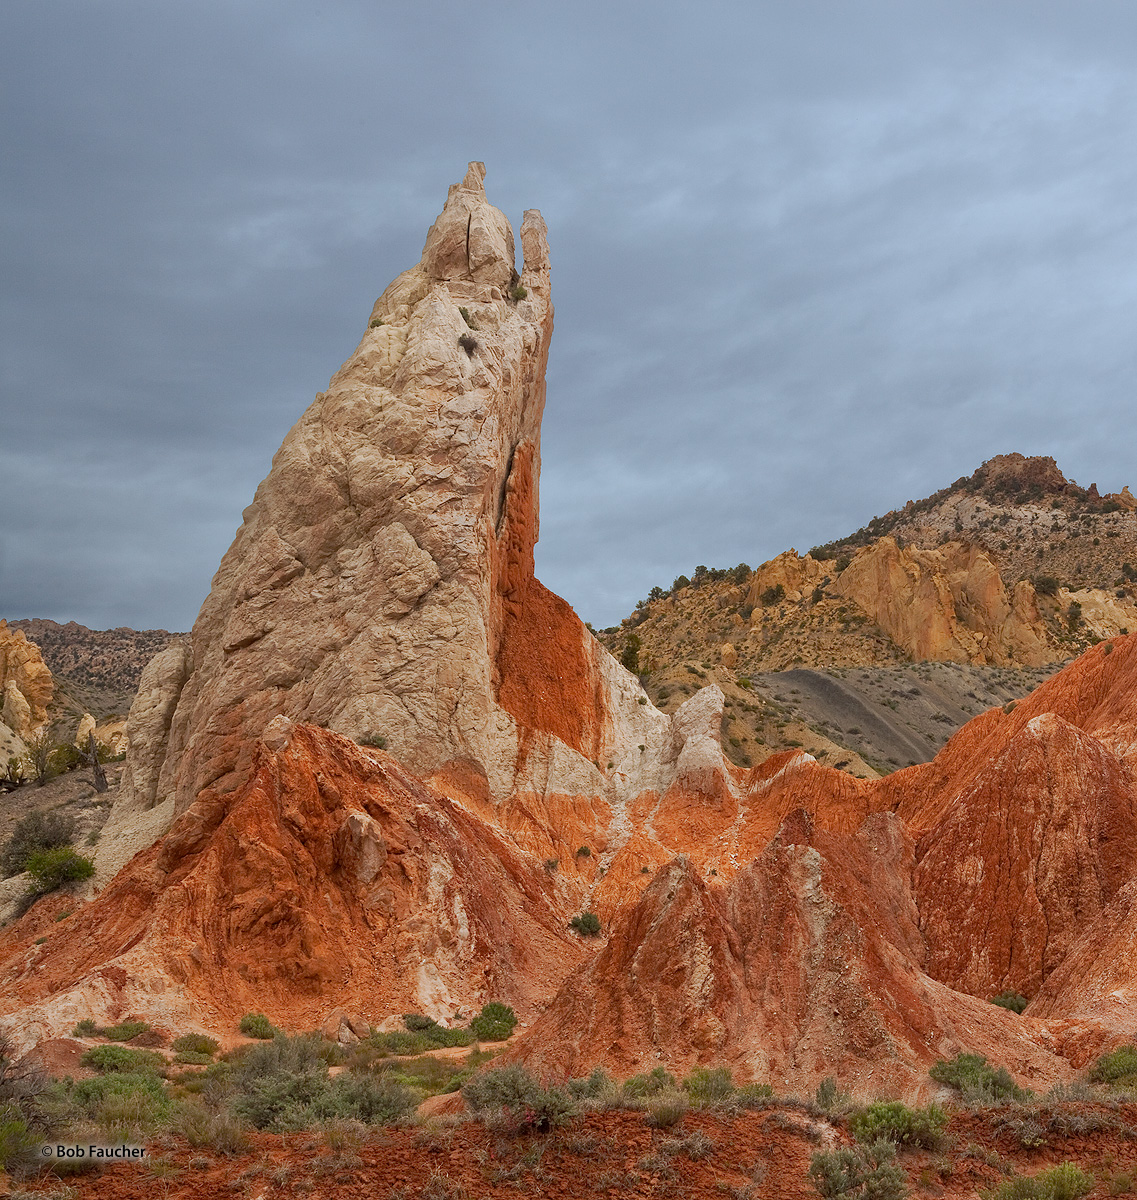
[382, 580]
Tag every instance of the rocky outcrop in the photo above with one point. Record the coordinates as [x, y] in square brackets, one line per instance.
[806, 964]
[946, 604]
[25, 683]
[382, 581]
[1025, 859]
[796, 576]
[332, 879]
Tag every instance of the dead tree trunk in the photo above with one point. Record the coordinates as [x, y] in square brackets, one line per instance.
[96, 766]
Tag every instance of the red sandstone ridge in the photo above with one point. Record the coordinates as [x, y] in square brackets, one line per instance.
[806, 964]
[332, 879]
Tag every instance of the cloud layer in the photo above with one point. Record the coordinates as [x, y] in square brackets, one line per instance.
[809, 262]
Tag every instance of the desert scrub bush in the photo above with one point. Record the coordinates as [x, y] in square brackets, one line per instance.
[639, 1087]
[1118, 1068]
[209, 1128]
[257, 1025]
[517, 292]
[32, 834]
[372, 1099]
[754, 1095]
[976, 1080]
[85, 1028]
[51, 869]
[896, 1122]
[371, 738]
[666, 1109]
[196, 1043]
[108, 1059]
[865, 1172]
[430, 1076]
[592, 1087]
[278, 1084]
[469, 343]
[514, 1091]
[1013, 1001]
[125, 1031]
[587, 924]
[707, 1086]
[829, 1097]
[119, 1097]
[495, 1023]
[1064, 1182]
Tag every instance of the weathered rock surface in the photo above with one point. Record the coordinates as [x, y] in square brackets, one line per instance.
[333, 879]
[1025, 859]
[382, 579]
[946, 604]
[805, 965]
[25, 682]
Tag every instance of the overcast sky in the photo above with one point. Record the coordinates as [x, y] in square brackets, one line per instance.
[810, 260]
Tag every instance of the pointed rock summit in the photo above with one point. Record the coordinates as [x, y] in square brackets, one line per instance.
[381, 584]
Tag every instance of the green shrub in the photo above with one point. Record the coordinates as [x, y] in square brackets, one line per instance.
[85, 1028]
[1118, 1068]
[469, 343]
[513, 1090]
[125, 1031]
[641, 1086]
[708, 1086]
[587, 924]
[1064, 1182]
[772, 595]
[210, 1128]
[277, 1085]
[1046, 585]
[193, 1058]
[18, 1143]
[418, 1023]
[125, 1059]
[32, 834]
[495, 1023]
[373, 1099]
[517, 292]
[754, 1095]
[666, 1109]
[257, 1025]
[371, 738]
[865, 1172]
[51, 869]
[592, 1086]
[896, 1122]
[1010, 999]
[829, 1096]
[91, 1094]
[196, 1043]
[976, 1080]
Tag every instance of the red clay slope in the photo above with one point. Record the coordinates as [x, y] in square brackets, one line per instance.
[333, 878]
[805, 965]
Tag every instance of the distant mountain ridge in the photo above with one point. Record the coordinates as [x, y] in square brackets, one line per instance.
[1008, 572]
[107, 659]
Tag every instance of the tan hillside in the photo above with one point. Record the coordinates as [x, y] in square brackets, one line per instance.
[1009, 572]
